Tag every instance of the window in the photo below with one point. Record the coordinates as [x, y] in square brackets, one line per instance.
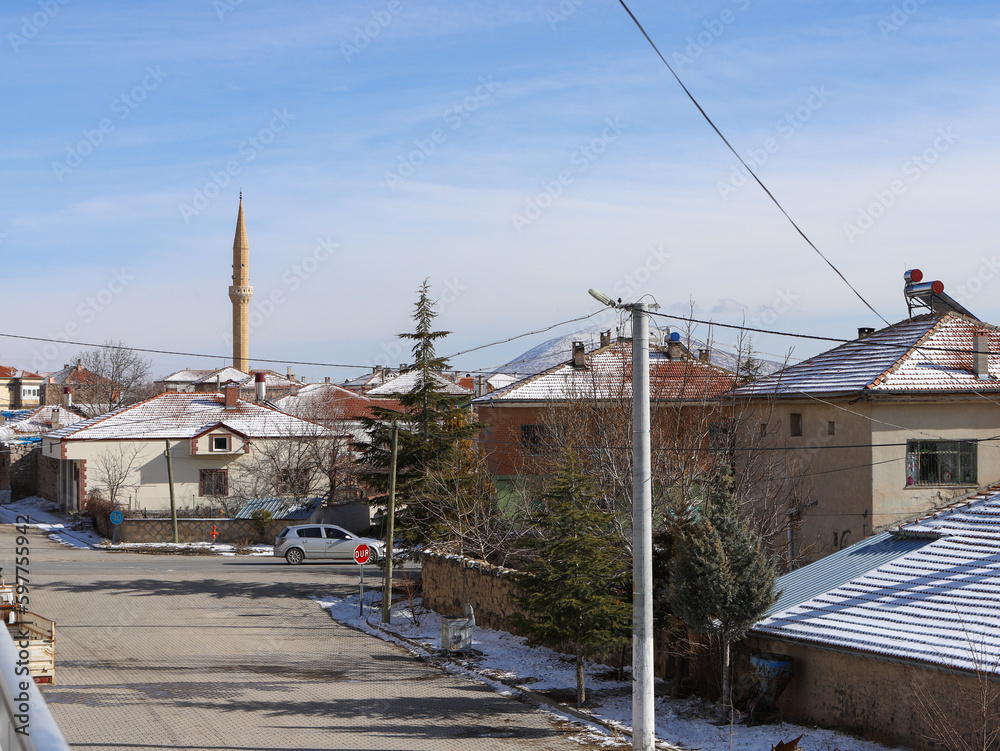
[831, 428]
[213, 482]
[220, 443]
[795, 423]
[940, 463]
[310, 532]
[332, 533]
[28, 392]
[532, 439]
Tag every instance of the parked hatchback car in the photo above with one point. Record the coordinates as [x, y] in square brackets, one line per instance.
[323, 542]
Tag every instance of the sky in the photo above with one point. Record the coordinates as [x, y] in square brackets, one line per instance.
[514, 153]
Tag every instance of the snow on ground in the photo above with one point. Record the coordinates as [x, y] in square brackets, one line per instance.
[506, 663]
[44, 515]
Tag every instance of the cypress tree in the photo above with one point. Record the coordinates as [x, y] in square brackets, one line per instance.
[572, 593]
[721, 582]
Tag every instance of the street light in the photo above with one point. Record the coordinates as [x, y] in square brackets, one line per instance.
[643, 719]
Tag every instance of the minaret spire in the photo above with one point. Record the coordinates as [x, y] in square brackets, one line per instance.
[240, 293]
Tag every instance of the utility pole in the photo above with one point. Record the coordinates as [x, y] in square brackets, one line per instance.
[170, 482]
[643, 709]
[390, 529]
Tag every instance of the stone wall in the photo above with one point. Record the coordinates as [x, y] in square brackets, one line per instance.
[887, 702]
[449, 580]
[47, 477]
[189, 530]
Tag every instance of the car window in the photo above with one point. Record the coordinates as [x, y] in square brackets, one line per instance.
[332, 533]
[283, 533]
[310, 532]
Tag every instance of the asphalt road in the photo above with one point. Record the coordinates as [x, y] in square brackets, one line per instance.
[176, 652]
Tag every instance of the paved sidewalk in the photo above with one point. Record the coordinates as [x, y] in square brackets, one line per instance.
[168, 652]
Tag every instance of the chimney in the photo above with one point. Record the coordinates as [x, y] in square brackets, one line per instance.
[864, 331]
[232, 396]
[260, 388]
[606, 338]
[290, 376]
[674, 348]
[578, 358]
[705, 355]
[981, 357]
[79, 364]
[480, 389]
[326, 380]
[67, 399]
[55, 418]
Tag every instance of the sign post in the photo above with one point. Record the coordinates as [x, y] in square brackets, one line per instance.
[362, 554]
[116, 518]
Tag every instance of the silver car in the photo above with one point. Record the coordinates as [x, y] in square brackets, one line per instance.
[323, 542]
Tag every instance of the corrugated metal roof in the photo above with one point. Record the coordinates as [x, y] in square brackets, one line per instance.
[937, 603]
[608, 375]
[279, 509]
[926, 353]
[838, 568]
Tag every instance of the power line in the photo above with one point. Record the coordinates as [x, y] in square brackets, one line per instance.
[747, 166]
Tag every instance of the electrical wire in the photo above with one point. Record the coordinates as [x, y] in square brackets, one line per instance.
[747, 166]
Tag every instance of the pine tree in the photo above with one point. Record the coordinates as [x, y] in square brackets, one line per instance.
[572, 594]
[720, 580]
[433, 426]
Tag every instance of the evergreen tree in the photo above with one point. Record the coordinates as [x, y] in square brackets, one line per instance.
[572, 593]
[720, 580]
[432, 426]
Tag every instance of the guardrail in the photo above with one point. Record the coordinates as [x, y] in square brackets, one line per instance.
[26, 724]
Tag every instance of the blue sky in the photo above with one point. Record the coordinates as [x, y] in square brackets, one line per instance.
[517, 153]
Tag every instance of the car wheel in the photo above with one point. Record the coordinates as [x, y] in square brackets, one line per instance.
[295, 556]
[372, 555]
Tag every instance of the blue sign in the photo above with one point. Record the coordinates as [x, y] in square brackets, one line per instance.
[117, 517]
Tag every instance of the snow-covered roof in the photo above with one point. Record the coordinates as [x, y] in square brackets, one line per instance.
[409, 381]
[608, 375]
[937, 604]
[173, 415]
[188, 375]
[35, 422]
[327, 401]
[9, 372]
[71, 375]
[223, 375]
[926, 353]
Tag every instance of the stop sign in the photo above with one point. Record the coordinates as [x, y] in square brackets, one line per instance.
[362, 554]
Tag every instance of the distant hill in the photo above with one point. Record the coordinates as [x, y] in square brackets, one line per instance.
[560, 349]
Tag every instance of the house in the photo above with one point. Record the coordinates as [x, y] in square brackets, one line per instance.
[334, 406]
[209, 381]
[884, 428]
[897, 635]
[365, 383]
[518, 417]
[409, 380]
[19, 389]
[220, 448]
[20, 444]
[84, 386]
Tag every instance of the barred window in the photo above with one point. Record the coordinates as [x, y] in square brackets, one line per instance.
[214, 482]
[940, 463]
